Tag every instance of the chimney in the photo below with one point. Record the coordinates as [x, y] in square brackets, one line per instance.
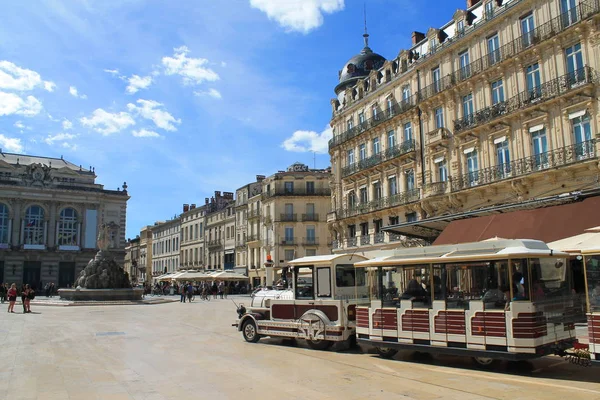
[418, 36]
[228, 195]
[206, 200]
[260, 178]
[192, 206]
[471, 3]
[186, 207]
[217, 194]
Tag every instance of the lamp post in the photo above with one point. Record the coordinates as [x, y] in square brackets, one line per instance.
[269, 271]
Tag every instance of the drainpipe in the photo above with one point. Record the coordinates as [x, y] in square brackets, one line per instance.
[421, 134]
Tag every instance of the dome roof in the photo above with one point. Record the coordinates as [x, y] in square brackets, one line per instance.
[359, 66]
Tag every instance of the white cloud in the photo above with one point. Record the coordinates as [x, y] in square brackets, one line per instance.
[145, 133]
[49, 86]
[75, 93]
[19, 125]
[150, 109]
[137, 82]
[298, 15]
[69, 146]
[13, 77]
[193, 70]
[11, 103]
[302, 141]
[11, 144]
[112, 71]
[59, 137]
[107, 123]
[223, 64]
[66, 124]
[210, 92]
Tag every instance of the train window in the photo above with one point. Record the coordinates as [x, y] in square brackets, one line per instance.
[592, 266]
[406, 283]
[304, 283]
[549, 277]
[324, 282]
[348, 276]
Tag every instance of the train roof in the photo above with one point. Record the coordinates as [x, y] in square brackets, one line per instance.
[587, 242]
[326, 259]
[485, 250]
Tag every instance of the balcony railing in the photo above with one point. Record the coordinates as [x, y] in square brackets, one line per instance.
[390, 201]
[252, 238]
[351, 242]
[310, 241]
[439, 135]
[310, 217]
[406, 147]
[289, 241]
[436, 87]
[296, 192]
[240, 245]
[335, 244]
[435, 188]
[215, 243]
[555, 87]
[288, 217]
[563, 156]
[365, 240]
[379, 237]
[380, 117]
[253, 214]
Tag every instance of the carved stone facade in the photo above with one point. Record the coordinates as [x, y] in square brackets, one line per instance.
[497, 107]
[50, 214]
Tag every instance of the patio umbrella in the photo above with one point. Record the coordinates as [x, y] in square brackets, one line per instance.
[228, 276]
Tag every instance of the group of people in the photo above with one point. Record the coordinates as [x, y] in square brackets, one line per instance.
[11, 293]
[205, 289]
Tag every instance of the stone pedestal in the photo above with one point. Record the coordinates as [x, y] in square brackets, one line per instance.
[101, 294]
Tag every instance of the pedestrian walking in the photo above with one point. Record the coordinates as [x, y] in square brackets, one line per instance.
[190, 291]
[3, 290]
[52, 289]
[12, 298]
[24, 289]
[182, 294]
[30, 296]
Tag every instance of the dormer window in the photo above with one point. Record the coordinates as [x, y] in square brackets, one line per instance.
[489, 9]
[432, 45]
[460, 27]
[351, 68]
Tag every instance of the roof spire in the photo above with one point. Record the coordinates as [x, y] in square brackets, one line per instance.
[366, 34]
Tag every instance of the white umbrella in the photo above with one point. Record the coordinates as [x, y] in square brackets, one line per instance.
[229, 276]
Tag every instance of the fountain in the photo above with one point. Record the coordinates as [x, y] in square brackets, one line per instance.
[102, 279]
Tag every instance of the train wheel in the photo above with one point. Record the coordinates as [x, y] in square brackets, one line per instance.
[250, 332]
[319, 344]
[386, 352]
[485, 362]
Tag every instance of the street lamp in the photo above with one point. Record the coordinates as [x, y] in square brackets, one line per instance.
[269, 271]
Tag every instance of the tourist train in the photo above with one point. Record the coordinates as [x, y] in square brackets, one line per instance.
[493, 300]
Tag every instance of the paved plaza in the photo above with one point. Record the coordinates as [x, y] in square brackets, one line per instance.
[189, 351]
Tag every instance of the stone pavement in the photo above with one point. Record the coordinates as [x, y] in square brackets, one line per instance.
[186, 351]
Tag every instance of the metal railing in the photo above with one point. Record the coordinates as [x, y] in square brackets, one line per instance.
[351, 242]
[310, 217]
[296, 192]
[562, 156]
[365, 239]
[390, 201]
[380, 116]
[310, 241]
[288, 217]
[289, 241]
[252, 238]
[379, 237]
[437, 86]
[336, 244]
[253, 214]
[215, 243]
[405, 147]
[553, 88]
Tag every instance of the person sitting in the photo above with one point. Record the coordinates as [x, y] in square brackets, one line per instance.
[415, 292]
[493, 297]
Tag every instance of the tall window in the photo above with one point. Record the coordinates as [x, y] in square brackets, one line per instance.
[533, 81]
[288, 187]
[34, 225]
[310, 233]
[489, 9]
[503, 158]
[374, 111]
[473, 167]
[435, 78]
[310, 208]
[390, 105]
[568, 12]
[460, 27]
[407, 132]
[361, 118]
[463, 64]
[289, 209]
[363, 195]
[582, 136]
[442, 171]
[391, 140]
[497, 92]
[493, 44]
[405, 93]
[410, 180]
[351, 200]
[67, 227]
[3, 224]
[439, 117]
[310, 187]
[289, 255]
[377, 194]
[468, 108]
[392, 186]
[289, 234]
[575, 63]
[527, 30]
[539, 142]
[350, 124]
[362, 152]
[376, 146]
[350, 157]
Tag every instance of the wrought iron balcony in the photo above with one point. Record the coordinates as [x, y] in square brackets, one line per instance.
[379, 117]
[288, 217]
[310, 217]
[395, 237]
[289, 241]
[215, 243]
[530, 39]
[253, 214]
[310, 241]
[435, 188]
[335, 244]
[549, 90]
[437, 87]
[365, 240]
[560, 157]
[390, 201]
[379, 237]
[296, 192]
[406, 147]
[351, 242]
[240, 245]
[252, 238]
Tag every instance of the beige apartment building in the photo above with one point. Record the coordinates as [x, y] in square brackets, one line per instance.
[242, 195]
[51, 211]
[165, 246]
[496, 108]
[132, 260]
[192, 237]
[145, 264]
[220, 212]
[254, 239]
[291, 218]
[229, 242]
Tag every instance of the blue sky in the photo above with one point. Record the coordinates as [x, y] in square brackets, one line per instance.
[184, 97]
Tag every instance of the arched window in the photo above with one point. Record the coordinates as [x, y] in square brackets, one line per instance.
[67, 228]
[34, 225]
[4, 228]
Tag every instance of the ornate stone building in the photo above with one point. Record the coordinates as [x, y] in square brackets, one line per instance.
[131, 263]
[145, 264]
[241, 222]
[166, 243]
[50, 211]
[220, 212]
[192, 236]
[497, 107]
